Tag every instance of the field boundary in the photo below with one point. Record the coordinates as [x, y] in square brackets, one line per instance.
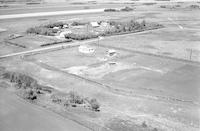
[151, 54]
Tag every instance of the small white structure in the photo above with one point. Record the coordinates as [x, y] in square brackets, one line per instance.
[85, 49]
[56, 28]
[94, 24]
[65, 26]
[112, 52]
[105, 24]
[62, 34]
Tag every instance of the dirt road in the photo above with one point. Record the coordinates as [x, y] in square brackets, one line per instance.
[60, 46]
[53, 13]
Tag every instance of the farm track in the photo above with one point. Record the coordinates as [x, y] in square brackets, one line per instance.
[49, 48]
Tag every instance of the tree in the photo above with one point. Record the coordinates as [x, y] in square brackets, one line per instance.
[143, 24]
[94, 104]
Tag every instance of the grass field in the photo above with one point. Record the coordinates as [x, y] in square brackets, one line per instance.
[29, 116]
[150, 83]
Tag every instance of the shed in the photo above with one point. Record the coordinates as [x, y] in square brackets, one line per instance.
[94, 24]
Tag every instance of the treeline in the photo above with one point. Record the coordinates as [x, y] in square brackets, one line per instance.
[82, 36]
[125, 9]
[116, 28]
[73, 99]
[41, 30]
[29, 89]
[51, 29]
[47, 29]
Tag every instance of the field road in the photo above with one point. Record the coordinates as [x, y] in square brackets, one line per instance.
[53, 13]
[60, 46]
[17, 115]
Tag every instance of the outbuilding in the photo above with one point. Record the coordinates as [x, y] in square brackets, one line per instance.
[94, 24]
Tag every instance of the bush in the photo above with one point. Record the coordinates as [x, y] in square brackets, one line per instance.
[86, 7]
[67, 103]
[194, 6]
[74, 97]
[149, 3]
[94, 104]
[22, 80]
[80, 36]
[56, 99]
[110, 10]
[126, 9]
[75, 23]
[155, 129]
[56, 24]
[163, 6]
[42, 31]
[144, 124]
[42, 88]
[29, 94]
[127, 26]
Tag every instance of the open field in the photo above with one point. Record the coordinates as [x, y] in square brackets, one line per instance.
[145, 81]
[7, 49]
[65, 58]
[28, 116]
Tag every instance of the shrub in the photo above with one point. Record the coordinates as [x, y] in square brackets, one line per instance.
[74, 97]
[143, 24]
[56, 100]
[110, 10]
[144, 124]
[126, 9]
[59, 97]
[80, 36]
[75, 23]
[177, 5]
[29, 94]
[6, 75]
[86, 7]
[94, 104]
[67, 103]
[25, 82]
[21, 80]
[56, 24]
[163, 6]
[155, 129]
[149, 3]
[42, 31]
[194, 6]
[42, 88]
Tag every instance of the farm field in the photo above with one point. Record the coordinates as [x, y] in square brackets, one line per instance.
[154, 77]
[141, 81]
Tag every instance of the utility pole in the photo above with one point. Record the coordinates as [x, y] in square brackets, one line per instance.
[99, 38]
[98, 41]
[190, 54]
